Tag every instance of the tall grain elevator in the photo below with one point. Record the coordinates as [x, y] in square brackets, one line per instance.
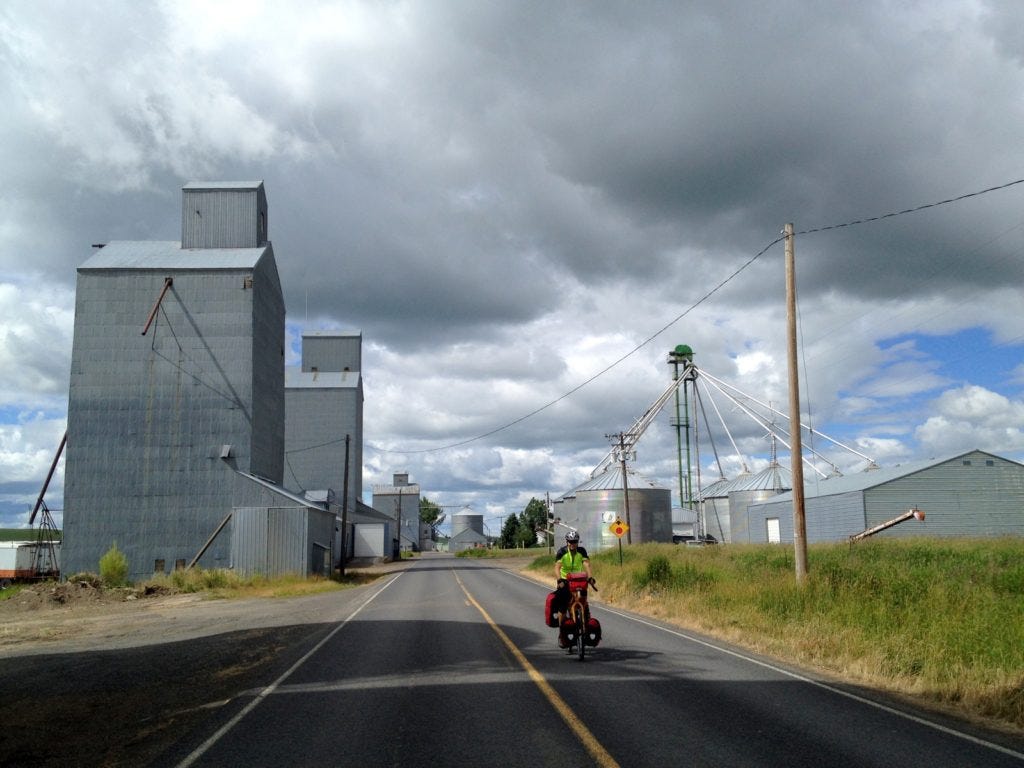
[177, 381]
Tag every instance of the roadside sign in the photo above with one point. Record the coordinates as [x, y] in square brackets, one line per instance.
[619, 528]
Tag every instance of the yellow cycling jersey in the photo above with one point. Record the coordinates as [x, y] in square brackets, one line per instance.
[571, 562]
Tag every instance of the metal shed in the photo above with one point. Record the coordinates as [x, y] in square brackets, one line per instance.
[276, 532]
[967, 494]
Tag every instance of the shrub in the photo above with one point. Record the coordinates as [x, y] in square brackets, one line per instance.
[114, 567]
[657, 573]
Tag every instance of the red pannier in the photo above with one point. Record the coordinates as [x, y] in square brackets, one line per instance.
[593, 636]
[550, 617]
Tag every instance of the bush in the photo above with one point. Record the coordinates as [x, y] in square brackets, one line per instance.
[114, 567]
[657, 573]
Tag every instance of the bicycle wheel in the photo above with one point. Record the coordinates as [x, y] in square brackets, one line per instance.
[581, 631]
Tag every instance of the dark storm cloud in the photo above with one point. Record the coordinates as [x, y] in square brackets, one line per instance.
[505, 198]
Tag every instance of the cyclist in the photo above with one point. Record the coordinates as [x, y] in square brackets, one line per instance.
[572, 558]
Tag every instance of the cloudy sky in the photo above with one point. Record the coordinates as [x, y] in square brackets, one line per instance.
[510, 198]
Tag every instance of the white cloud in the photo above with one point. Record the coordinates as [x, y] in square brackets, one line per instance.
[973, 417]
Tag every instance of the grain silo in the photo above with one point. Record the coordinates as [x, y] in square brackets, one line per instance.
[753, 489]
[467, 531]
[592, 507]
[714, 504]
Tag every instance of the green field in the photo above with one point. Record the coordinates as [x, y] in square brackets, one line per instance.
[21, 534]
[941, 621]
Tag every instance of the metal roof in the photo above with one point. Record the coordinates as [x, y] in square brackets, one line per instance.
[296, 379]
[291, 496]
[223, 185]
[151, 254]
[332, 334]
[862, 481]
[712, 490]
[611, 480]
[772, 478]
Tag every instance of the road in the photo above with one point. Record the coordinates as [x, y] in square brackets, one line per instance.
[448, 663]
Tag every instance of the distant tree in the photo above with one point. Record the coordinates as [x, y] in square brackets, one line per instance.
[535, 515]
[509, 533]
[429, 511]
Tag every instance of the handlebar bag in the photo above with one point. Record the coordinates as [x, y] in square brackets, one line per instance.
[577, 581]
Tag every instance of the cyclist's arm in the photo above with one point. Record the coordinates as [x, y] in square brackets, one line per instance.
[558, 569]
[586, 567]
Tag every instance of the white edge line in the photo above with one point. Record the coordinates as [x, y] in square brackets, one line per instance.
[809, 680]
[827, 687]
[205, 746]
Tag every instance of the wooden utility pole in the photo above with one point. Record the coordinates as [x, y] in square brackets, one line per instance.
[625, 487]
[796, 447]
[344, 508]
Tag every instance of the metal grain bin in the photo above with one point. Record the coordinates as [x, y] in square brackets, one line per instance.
[592, 507]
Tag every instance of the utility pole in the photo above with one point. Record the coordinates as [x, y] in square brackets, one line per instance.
[398, 507]
[796, 447]
[625, 483]
[344, 508]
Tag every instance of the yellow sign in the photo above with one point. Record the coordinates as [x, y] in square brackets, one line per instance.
[619, 528]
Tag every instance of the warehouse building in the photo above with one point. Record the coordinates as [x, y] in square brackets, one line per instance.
[966, 494]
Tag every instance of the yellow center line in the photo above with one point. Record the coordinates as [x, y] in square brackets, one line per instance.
[592, 745]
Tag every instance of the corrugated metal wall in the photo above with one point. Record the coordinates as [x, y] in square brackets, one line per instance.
[332, 351]
[322, 418]
[223, 217]
[976, 494]
[275, 541]
[148, 415]
[267, 350]
[650, 516]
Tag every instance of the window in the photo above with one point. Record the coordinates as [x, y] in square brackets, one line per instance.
[158, 565]
[774, 533]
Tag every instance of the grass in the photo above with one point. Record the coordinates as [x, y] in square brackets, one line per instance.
[24, 534]
[492, 552]
[225, 584]
[939, 620]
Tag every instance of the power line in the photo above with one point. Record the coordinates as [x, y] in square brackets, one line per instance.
[701, 300]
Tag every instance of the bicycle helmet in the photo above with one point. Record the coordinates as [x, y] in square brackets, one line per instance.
[572, 537]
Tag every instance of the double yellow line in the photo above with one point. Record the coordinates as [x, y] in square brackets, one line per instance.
[592, 745]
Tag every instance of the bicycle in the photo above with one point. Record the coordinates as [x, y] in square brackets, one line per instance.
[573, 620]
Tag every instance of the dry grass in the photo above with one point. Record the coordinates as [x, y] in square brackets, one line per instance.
[942, 621]
[224, 584]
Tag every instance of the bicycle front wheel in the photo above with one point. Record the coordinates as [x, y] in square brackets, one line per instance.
[581, 631]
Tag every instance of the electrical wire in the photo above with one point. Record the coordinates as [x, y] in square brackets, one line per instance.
[688, 310]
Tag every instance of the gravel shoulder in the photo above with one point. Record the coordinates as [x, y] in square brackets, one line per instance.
[72, 618]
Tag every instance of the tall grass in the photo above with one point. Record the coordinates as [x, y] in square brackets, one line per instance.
[942, 620]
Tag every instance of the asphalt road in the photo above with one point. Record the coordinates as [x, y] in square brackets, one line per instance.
[448, 663]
